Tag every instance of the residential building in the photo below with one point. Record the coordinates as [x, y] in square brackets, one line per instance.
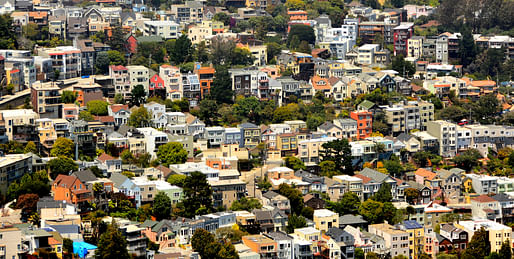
[66, 59]
[396, 240]
[46, 100]
[121, 80]
[415, 47]
[12, 168]
[497, 232]
[483, 184]
[70, 189]
[225, 192]
[325, 219]
[446, 133]
[139, 75]
[486, 207]
[11, 242]
[401, 34]
[264, 246]
[285, 244]
[19, 125]
[364, 123]
[165, 29]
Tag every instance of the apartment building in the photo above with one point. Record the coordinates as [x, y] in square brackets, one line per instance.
[205, 77]
[264, 246]
[66, 59]
[225, 192]
[12, 168]
[415, 47]
[403, 118]
[154, 139]
[46, 100]
[139, 75]
[19, 125]
[446, 134]
[395, 239]
[285, 244]
[497, 232]
[483, 184]
[366, 54]
[486, 207]
[364, 123]
[11, 242]
[164, 29]
[350, 184]
[325, 219]
[121, 80]
[189, 12]
[309, 150]
[401, 34]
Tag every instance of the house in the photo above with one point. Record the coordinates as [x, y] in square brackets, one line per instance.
[113, 165]
[458, 237]
[428, 178]
[486, 207]
[325, 219]
[313, 202]
[120, 112]
[340, 244]
[352, 220]
[251, 135]
[70, 189]
[270, 220]
[396, 240]
[497, 232]
[262, 245]
[330, 130]
[276, 200]
[451, 183]
[424, 193]
[285, 244]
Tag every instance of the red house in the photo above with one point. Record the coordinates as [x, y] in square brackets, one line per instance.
[131, 44]
[157, 87]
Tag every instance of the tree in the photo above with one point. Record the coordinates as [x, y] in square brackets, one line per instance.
[328, 168]
[138, 95]
[27, 203]
[505, 250]
[117, 40]
[338, 151]
[241, 56]
[349, 204]
[222, 17]
[397, 3]
[294, 195]
[221, 50]
[171, 153]
[36, 183]
[453, 113]
[126, 156]
[402, 66]
[468, 159]
[486, 109]
[197, 195]
[371, 211]
[467, 47]
[221, 90]
[411, 195]
[68, 96]
[295, 4]
[304, 47]
[302, 32]
[200, 54]
[97, 107]
[234, 234]
[86, 116]
[394, 167]
[177, 179]
[102, 63]
[162, 206]
[67, 245]
[384, 193]
[372, 255]
[30, 148]
[422, 158]
[116, 58]
[359, 253]
[200, 240]
[63, 147]
[294, 163]
[295, 222]
[182, 50]
[247, 204]
[273, 49]
[61, 165]
[112, 244]
[119, 99]
[140, 117]
[479, 246]
[7, 33]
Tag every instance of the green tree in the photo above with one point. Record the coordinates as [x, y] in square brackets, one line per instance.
[117, 40]
[304, 47]
[372, 211]
[171, 153]
[229, 233]
[467, 47]
[116, 58]
[294, 195]
[182, 50]
[126, 156]
[295, 222]
[86, 116]
[394, 167]
[384, 193]
[411, 195]
[247, 204]
[200, 240]
[402, 66]
[197, 195]
[372, 255]
[349, 204]
[302, 32]
[338, 151]
[468, 159]
[112, 244]
[68, 96]
[294, 163]
[63, 147]
[7, 33]
[222, 17]
[200, 54]
[273, 49]
[328, 168]
[486, 109]
[37, 183]
[241, 56]
[479, 246]
[119, 99]
[359, 253]
[505, 250]
[177, 179]
[61, 165]
[138, 95]
[162, 206]
[97, 107]
[221, 90]
[30, 147]
[102, 63]
[140, 117]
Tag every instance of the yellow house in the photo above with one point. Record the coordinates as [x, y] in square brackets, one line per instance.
[227, 150]
[416, 237]
[468, 184]
[325, 219]
[498, 233]
[287, 143]
[309, 234]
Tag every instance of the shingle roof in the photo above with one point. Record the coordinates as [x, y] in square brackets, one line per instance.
[105, 157]
[483, 198]
[85, 175]
[349, 219]
[502, 197]
[425, 173]
[118, 179]
[270, 194]
[374, 175]
[65, 181]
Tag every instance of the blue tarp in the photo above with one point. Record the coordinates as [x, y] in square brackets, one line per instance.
[81, 248]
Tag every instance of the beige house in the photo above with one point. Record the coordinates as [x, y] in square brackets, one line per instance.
[139, 75]
[10, 243]
[276, 200]
[225, 192]
[395, 239]
[309, 150]
[325, 219]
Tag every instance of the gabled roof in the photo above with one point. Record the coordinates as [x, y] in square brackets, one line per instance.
[365, 179]
[483, 198]
[375, 175]
[502, 197]
[118, 107]
[247, 125]
[85, 175]
[270, 195]
[425, 174]
[349, 219]
[65, 181]
[118, 179]
[404, 137]
[416, 185]
[327, 125]
[105, 157]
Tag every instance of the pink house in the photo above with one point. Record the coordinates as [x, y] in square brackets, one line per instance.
[160, 232]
